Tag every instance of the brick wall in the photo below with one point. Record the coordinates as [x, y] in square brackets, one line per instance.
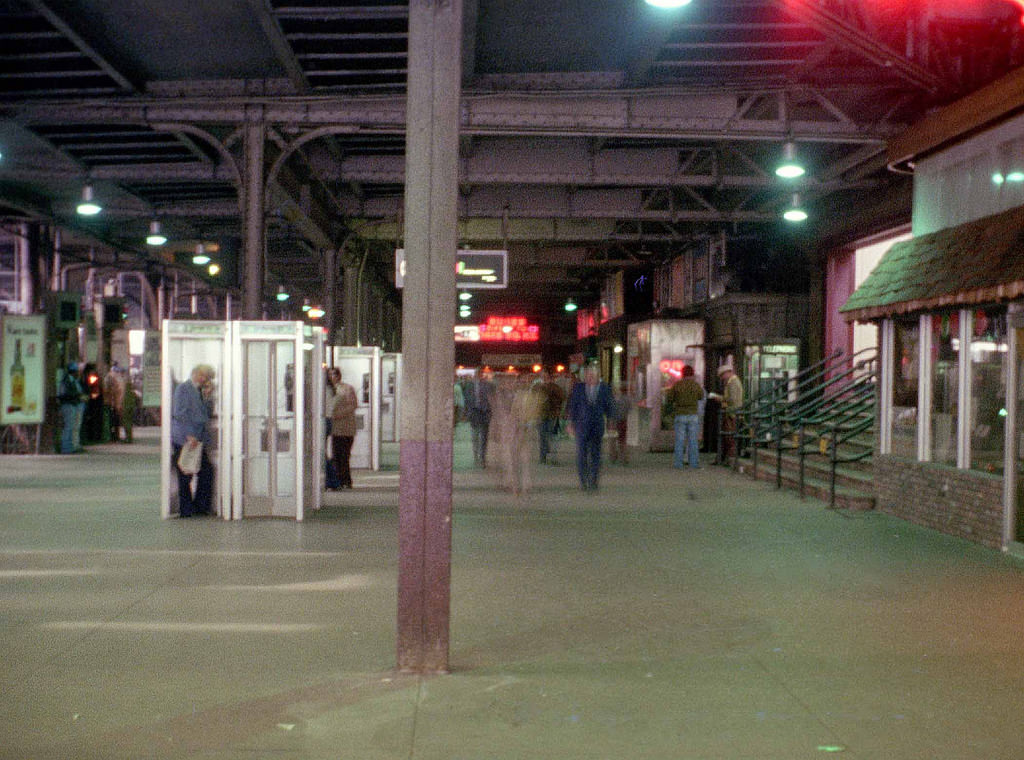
[963, 503]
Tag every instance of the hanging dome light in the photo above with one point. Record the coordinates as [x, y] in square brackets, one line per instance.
[88, 206]
[570, 305]
[795, 212]
[200, 258]
[155, 236]
[790, 168]
[282, 294]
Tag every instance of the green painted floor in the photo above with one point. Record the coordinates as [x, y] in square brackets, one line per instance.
[673, 614]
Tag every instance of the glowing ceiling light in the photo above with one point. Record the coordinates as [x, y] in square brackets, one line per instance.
[1015, 176]
[200, 257]
[998, 178]
[88, 206]
[570, 305]
[668, 3]
[214, 269]
[155, 236]
[464, 296]
[795, 212]
[790, 168]
[315, 312]
[282, 294]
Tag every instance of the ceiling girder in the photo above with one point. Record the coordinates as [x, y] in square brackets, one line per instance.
[660, 115]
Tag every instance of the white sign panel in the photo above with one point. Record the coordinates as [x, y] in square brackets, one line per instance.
[474, 269]
[22, 362]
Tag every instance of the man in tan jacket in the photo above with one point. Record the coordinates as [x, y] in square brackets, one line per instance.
[343, 427]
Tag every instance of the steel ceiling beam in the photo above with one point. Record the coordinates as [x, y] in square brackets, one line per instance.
[662, 114]
[852, 37]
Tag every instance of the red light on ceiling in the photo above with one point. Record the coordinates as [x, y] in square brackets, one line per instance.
[512, 329]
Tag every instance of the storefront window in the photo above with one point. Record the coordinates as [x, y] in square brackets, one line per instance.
[906, 371]
[945, 386]
[989, 357]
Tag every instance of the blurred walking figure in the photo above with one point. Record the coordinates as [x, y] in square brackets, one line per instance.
[590, 405]
[623, 403]
[113, 400]
[129, 407]
[477, 396]
[516, 410]
[552, 399]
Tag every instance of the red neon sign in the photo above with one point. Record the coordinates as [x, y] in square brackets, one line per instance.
[511, 329]
[673, 367]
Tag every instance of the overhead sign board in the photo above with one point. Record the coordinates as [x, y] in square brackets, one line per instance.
[474, 269]
[499, 329]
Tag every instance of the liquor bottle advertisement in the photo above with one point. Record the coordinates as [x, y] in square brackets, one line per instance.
[22, 358]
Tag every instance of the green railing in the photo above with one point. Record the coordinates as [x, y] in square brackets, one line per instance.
[838, 404]
[755, 418]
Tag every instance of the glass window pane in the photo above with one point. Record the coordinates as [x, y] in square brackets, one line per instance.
[989, 357]
[945, 386]
[906, 372]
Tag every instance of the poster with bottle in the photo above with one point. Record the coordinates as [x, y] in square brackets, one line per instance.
[22, 359]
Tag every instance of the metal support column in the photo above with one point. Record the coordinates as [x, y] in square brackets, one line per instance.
[428, 320]
[330, 302]
[252, 209]
[350, 315]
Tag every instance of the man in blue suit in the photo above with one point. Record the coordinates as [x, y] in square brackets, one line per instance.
[190, 420]
[591, 405]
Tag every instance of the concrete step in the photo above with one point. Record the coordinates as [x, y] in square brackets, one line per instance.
[854, 483]
[846, 497]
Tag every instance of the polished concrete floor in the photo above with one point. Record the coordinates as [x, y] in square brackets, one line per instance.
[672, 614]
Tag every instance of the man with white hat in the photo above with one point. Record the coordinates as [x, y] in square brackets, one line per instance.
[732, 400]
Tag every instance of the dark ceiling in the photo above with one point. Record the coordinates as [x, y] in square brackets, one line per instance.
[595, 133]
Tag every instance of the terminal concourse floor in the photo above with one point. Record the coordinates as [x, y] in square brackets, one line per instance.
[691, 615]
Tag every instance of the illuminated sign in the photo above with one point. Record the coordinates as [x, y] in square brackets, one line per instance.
[474, 270]
[467, 333]
[673, 367]
[509, 329]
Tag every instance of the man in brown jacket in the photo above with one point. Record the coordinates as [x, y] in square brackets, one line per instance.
[343, 428]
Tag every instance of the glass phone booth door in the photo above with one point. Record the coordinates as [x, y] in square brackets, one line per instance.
[268, 465]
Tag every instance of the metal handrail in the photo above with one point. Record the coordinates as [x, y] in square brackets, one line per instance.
[766, 405]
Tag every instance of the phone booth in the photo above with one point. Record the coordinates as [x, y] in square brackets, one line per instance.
[390, 386]
[360, 368]
[268, 400]
[267, 406]
[187, 344]
[314, 440]
[771, 367]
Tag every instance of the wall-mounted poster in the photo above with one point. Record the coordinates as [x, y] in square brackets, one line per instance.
[22, 359]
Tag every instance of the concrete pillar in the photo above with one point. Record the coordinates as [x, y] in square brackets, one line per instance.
[253, 229]
[428, 319]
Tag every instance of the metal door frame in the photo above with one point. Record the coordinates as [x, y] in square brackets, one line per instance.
[271, 332]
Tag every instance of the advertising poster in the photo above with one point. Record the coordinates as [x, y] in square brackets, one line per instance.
[151, 349]
[22, 362]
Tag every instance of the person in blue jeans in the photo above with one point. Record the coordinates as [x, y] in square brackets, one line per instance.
[684, 402]
[70, 396]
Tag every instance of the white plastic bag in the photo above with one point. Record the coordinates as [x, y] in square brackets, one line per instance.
[190, 458]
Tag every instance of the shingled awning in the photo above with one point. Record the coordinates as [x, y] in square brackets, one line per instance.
[973, 263]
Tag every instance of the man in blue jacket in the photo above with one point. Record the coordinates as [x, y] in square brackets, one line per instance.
[591, 405]
[190, 419]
